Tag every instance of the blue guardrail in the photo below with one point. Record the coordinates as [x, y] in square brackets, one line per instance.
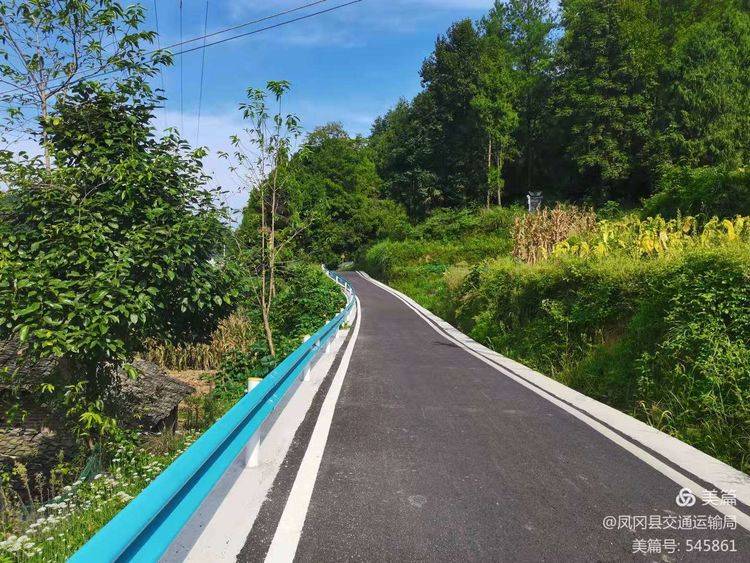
[144, 529]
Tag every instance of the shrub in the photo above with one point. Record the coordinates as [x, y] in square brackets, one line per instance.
[452, 224]
[448, 224]
[307, 299]
[704, 192]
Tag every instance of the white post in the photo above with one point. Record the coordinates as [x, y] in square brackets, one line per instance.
[252, 450]
[328, 346]
[306, 373]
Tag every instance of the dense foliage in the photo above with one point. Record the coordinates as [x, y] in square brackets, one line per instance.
[307, 299]
[602, 105]
[330, 202]
[118, 242]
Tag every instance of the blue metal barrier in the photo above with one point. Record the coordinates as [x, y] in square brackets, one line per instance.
[144, 529]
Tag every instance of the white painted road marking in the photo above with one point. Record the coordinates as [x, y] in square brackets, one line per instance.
[286, 538]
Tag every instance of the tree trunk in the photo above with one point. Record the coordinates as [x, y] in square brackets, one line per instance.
[489, 169]
[43, 108]
[499, 187]
[269, 333]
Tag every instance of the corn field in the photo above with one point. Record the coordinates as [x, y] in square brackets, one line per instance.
[233, 333]
[535, 235]
[654, 236]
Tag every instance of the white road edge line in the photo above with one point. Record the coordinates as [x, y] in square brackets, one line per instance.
[289, 530]
[732, 479]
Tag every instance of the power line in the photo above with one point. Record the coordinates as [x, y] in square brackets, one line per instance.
[203, 66]
[247, 23]
[182, 119]
[190, 50]
[269, 27]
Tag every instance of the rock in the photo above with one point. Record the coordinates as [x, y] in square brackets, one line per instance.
[151, 400]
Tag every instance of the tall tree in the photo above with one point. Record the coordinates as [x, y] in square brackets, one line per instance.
[494, 98]
[529, 24]
[404, 143]
[450, 76]
[608, 59]
[260, 157]
[705, 116]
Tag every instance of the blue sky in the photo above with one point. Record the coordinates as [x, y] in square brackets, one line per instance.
[349, 65]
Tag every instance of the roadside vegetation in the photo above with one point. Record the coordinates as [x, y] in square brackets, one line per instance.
[631, 284]
[114, 248]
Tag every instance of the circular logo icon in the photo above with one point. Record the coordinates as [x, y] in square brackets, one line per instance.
[685, 498]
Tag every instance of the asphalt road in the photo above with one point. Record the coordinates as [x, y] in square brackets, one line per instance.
[434, 455]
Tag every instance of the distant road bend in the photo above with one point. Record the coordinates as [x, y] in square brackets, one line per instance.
[426, 446]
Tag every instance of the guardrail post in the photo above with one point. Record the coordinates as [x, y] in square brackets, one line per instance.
[252, 450]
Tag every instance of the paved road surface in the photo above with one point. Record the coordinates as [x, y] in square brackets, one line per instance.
[434, 455]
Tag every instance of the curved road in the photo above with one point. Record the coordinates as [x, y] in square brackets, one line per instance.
[434, 454]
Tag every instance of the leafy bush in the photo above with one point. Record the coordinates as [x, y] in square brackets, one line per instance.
[704, 192]
[307, 299]
[115, 244]
[448, 224]
[452, 224]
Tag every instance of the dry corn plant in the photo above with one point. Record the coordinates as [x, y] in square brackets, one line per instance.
[235, 333]
[536, 234]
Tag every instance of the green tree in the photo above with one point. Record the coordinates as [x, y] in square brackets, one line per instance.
[450, 76]
[49, 45]
[706, 94]
[403, 143]
[261, 157]
[495, 95]
[120, 241]
[331, 199]
[608, 59]
[528, 25]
